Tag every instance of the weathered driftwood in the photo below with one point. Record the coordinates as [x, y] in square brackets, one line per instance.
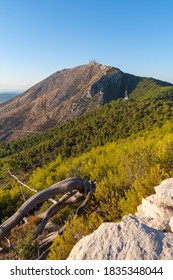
[83, 206]
[46, 242]
[68, 186]
[67, 199]
[44, 245]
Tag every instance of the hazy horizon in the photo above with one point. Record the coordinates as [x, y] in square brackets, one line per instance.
[17, 91]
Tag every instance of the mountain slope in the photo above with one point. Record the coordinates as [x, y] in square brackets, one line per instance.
[63, 96]
[113, 121]
[125, 170]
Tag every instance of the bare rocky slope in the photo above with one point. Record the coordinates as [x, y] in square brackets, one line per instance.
[63, 96]
[147, 235]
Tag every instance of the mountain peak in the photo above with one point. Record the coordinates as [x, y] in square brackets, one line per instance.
[63, 96]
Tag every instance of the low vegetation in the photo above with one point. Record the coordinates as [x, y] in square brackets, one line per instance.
[127, 146]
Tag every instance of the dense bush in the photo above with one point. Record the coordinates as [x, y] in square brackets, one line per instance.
[125, 172]
[116, 120]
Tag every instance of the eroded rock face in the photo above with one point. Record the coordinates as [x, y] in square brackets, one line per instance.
[147, 235]
[157, 210]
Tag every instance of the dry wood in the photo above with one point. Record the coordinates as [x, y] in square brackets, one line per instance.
[67, 186]
[67, 199]
[28, 187]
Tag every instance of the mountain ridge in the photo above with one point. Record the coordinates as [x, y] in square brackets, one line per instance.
[63, 96]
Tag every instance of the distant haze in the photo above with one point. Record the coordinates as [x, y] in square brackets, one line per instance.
[7, 95]
[8, 91]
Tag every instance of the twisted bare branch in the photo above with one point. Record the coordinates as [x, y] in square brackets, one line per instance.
[66, 186]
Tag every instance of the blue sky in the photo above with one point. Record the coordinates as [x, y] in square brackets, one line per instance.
[39, 37]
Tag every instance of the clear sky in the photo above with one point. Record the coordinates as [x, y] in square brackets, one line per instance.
[39, 37]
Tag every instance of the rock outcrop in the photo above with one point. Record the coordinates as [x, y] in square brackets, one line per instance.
[157, 210]
[147, 235]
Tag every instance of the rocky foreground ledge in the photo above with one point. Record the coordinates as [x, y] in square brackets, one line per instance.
[147, 235]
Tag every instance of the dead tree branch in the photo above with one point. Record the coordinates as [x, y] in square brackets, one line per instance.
[67, 186]
[28, 187]
[67, 199]
[83, 206]
[24, 185]
[45, 244]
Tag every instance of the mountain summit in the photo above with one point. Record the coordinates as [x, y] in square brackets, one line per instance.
[63, 96]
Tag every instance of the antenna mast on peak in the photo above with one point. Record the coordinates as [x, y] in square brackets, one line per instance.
[93, 61]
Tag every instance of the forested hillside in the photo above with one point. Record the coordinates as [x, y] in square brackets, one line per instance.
[115, 120]
[126, 145]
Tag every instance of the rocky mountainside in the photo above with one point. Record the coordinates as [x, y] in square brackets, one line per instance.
[63, 96]
[147, 235]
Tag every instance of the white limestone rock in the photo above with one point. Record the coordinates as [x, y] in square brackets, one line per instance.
[127, 240]
[164, 192]
[147, 235]
[156, 210]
